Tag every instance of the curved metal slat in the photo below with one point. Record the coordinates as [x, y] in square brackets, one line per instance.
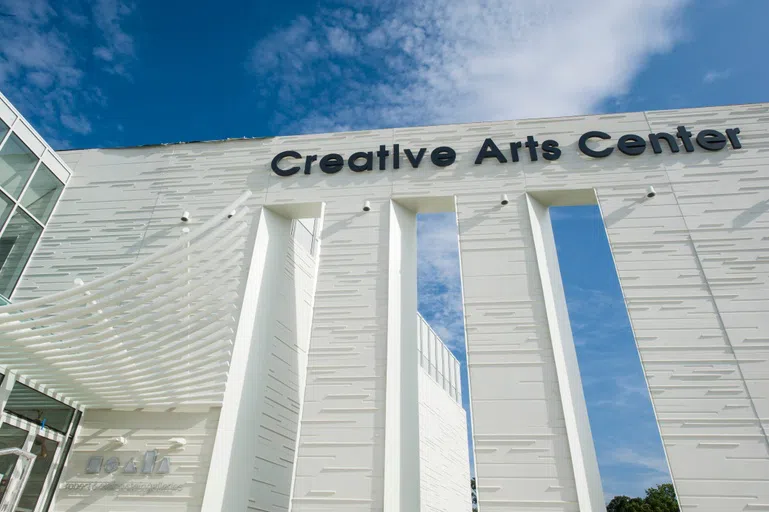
[145, 335]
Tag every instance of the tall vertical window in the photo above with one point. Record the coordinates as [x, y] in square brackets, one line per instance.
[44, 449]
[29, 191]
[10, 437]
[6, 207]
[16, 245]
[43, 192]
[16, 165]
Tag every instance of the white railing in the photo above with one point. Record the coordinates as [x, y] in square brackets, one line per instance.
[438, 361]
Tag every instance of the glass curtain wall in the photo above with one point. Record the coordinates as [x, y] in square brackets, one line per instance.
[38, 424]
[28, 194]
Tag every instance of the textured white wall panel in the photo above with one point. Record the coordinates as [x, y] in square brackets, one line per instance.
[692, 264]
[443, 453]
[284, 371]
[143, 430]
[341, 449]
[521, 444]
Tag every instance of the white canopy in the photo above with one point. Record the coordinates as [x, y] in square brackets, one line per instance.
[142, 336]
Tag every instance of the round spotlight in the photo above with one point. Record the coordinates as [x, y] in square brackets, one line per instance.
[504, 200]
[367, 206]
[650, 192]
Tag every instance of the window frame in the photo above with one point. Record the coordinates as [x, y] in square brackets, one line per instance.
[47, 427]
[23, 189]
[16, 205]
[34, 246]
[29, 184]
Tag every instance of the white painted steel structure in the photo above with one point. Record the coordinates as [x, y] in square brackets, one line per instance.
[304, 389]
[146, 335]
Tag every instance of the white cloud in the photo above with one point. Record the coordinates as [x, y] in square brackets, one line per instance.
[42, 69]
[341, 42]
[435, 61]
[78, 124]
[103, 53]
[109, 15]
[440, 294]
[644, 467]
[715, 75]
[657, 464]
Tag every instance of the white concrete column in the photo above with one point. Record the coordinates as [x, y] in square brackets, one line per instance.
[401, 472]
[581, 447]
[340, 456]
[522, 457]
[232, 460]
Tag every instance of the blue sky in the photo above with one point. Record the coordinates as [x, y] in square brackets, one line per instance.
[105, 73]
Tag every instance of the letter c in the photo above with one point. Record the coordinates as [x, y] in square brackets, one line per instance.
[591, 152]
[281, 156]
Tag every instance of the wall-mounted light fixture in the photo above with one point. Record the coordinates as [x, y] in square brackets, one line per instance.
[185, 217]
[178, 442]
[121, 441]
[650, 192]
[504, 200]
[367, 206]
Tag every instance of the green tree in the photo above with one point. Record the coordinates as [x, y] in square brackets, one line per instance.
[662, 498]
[658, 499]
[625, 504]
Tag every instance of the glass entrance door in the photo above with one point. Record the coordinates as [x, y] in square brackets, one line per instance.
[28, 454]
[19, 465]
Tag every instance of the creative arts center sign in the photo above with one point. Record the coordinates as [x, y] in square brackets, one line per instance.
[288, 163]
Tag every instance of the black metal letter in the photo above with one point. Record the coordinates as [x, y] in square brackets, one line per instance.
[415, 161]
[443, 156]
[631, 144]
[732, 134]
[685, 137]
[488, 150]
[532, 145]
[331, 163]
[712, 140]
[367, 166]
[591, 152]
[654, 140]
[280, 156]
[550, 150]
[382, 154]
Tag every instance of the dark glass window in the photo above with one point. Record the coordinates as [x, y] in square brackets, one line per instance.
[43, 192]
[45, 449]
[16, 245]
[39, 408]
[17, 162]
[60, 468]
[6, 205]
[10, 437]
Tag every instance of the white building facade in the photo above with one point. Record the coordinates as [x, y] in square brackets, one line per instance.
[266, 354]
